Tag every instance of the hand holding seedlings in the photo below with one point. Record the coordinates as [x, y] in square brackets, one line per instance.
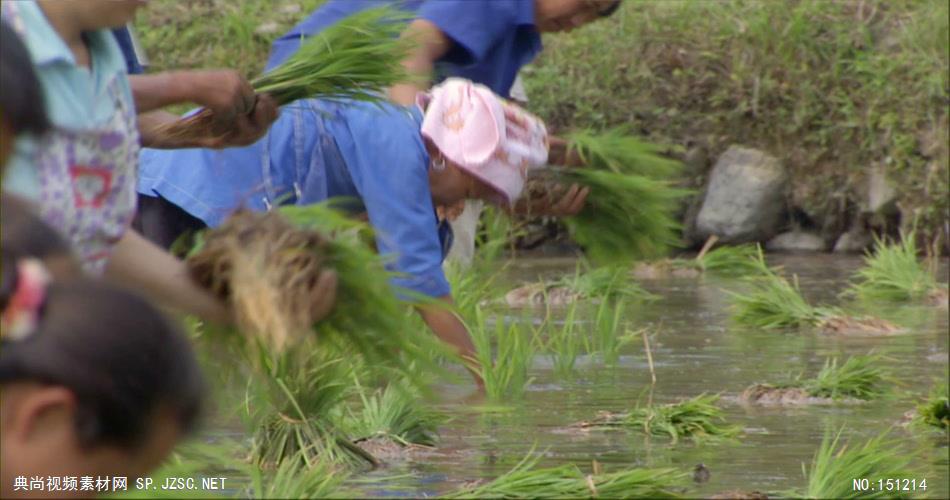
[557, 200]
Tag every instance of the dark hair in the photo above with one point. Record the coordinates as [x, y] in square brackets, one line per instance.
[121, 357]
[23, 232]
[21, 97]
[609, 11]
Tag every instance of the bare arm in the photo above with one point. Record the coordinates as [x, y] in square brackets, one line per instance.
[449, 328]
[143, 266]
[430, 44]
[226, 92]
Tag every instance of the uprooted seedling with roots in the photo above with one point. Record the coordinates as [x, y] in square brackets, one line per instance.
[860, 378]
[267, 269]
[774, 301]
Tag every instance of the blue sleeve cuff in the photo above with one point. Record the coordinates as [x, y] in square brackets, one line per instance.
[431, 284]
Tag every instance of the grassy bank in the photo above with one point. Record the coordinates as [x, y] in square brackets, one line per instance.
[832, 88]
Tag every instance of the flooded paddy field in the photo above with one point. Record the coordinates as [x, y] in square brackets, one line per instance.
[696, 349]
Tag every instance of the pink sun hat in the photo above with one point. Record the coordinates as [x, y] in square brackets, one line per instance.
[490, 138]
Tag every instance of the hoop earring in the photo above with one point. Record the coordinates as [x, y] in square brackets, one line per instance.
[439, 165]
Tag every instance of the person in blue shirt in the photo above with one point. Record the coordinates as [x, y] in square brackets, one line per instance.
[396, 164]
[485, 41]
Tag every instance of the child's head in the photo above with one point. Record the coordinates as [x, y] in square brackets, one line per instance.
[94, 381]
[91, 15]
[566, 15]
[481, 146]
[22, 109]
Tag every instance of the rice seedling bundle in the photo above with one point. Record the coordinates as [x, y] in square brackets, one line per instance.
[736, 260]
[860, 377]
[630, 210]
[605, 283]
[288, 408]
[697, 418]
[527, 480]
[266, 266]
[396, 412]
[894, 273]
[834, 467]
[356, 58]
[935, 411]
[776, 302]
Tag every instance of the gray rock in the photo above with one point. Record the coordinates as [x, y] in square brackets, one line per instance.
[744, 197]
[796, 241]
[856, 240]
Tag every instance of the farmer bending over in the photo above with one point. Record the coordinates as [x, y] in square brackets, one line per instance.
[485, 41]
[396, 163]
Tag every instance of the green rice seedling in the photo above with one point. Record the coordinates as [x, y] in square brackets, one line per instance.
[605, 283]
[697, 418]
[626, 216]
[617, 150]
[356, 58]
[835, 467]
[860, 377]
[630, 210]
[736, 260]
[892, 272]
[607, 341]
[935, 411]
[506, 373]
[527, 480]
[266, 265]
[564, 343]
[774, 302]
[396, 412]
[298, 479]
[287, 407]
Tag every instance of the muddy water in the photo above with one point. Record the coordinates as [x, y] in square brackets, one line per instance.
[697, 350]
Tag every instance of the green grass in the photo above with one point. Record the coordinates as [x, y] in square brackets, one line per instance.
[698, 418]
[893, 272]
[505, 354]
[935, 410]
[837, 463]
[832, 87]
[527, 480]
[396, 412]
[860, 377]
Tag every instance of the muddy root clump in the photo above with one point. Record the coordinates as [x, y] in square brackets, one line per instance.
[769, 395]
[267, 270]
[388, 450]
[539, 294]
[662, 269]
[866, 326]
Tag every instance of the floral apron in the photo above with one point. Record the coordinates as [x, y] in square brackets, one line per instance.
[87, 178]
